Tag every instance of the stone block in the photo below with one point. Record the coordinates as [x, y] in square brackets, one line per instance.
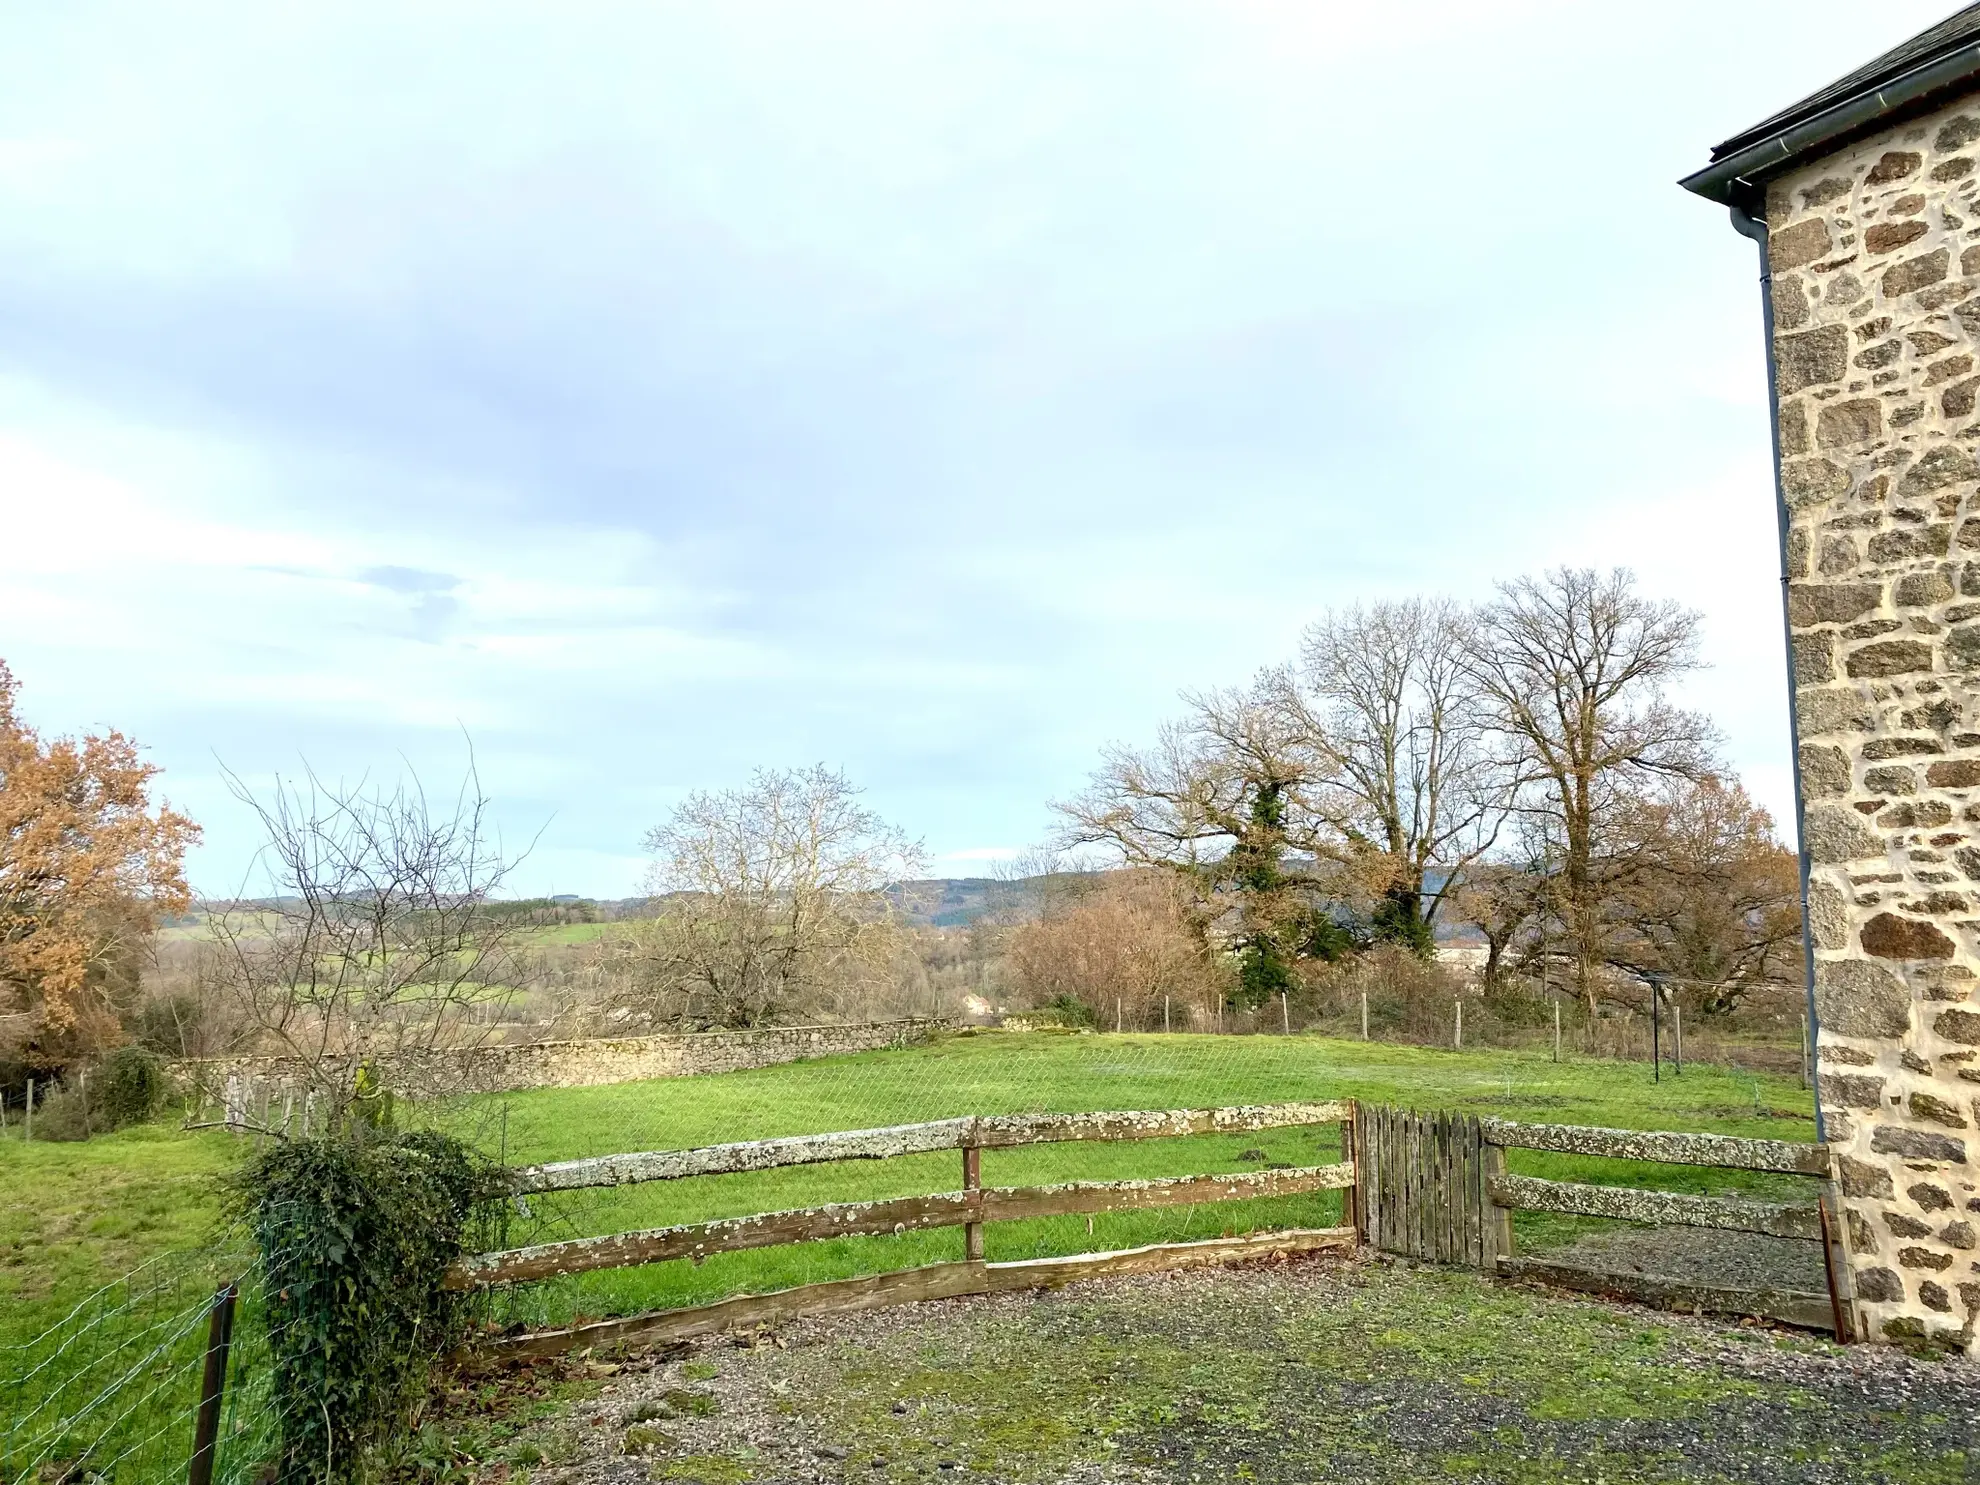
[1887, 658]
[1920, 589]
[1954, 773]
[1937, 467]
[1929, 1198]
[1851, 1090]
[1915, 273]
[1836, 835]
[1858, 421]
[1887, 237]
[1879, 1286]
[1956, 134]
[1917, 1144]
[1824, 770]
[1924, 1258]
[1831, 603]
[1958, 1026]
[1843, 709]
[1909, 543]
[1804, 242]
[1863, 1180]
[1889, 936]
[1890, 779]
[1815, 358]
[1806, 482]
[1895, 165]
[1935, 1110]
[1854, 997]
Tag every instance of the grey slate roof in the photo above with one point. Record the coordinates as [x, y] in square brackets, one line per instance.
[1939, 63]
[1957, 30]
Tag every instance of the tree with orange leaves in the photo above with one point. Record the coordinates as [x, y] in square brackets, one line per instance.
[87, 866]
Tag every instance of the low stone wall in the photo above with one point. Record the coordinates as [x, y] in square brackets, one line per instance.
[576, 1064]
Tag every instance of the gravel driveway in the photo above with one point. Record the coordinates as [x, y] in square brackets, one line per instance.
[1348, 1369]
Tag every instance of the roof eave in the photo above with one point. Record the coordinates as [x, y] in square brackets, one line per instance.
[1738, 178]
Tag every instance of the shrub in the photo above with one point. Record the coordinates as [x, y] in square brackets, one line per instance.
[355, 1234]
[61, 1115]
[131, 1087]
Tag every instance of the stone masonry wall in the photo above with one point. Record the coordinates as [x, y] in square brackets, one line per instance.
[575, 1064]
[1876, 258]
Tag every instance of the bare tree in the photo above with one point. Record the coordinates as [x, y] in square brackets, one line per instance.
[1120, 939]
[1570, 670]
[372, 948]
[1223, 800]
[773, 900]
[1709, 899]
[1503, 900]
[1384, 696]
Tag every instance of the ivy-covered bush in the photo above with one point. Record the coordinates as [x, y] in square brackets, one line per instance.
[133, 1086]
[356, 1231]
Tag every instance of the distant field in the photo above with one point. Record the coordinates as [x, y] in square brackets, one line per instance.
[99, 1208]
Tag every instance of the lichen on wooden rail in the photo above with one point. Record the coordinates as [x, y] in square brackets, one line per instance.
[876, 1218]
[1727, 1151]
[1793, 1306]
[744, 1155]
[1000, 1131]
[1004, 1131]
[1627, 1204]
[934, 1281]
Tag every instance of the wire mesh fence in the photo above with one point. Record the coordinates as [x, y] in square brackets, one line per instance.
[172, 1360]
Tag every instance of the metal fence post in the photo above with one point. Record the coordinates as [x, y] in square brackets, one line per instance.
[212, 1385]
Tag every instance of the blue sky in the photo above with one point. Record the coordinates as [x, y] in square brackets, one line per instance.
[930, 389]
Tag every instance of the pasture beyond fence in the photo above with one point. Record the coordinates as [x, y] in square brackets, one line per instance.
[1431, 1186]
[130, 1387]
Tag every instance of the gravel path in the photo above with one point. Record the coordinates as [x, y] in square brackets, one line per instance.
[1327, 1369]
[1701, 1255]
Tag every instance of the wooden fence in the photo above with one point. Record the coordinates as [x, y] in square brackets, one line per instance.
[1435, 1187]
[968, 1207]
[1432, 1186]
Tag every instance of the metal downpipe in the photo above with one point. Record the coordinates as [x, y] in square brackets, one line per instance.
[1750, 226]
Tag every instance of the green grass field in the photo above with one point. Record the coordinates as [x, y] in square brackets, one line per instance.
[79, 1215]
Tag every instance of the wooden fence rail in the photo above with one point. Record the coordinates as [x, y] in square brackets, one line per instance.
[989, 1132]
[1430, 1185]
[878, 1218]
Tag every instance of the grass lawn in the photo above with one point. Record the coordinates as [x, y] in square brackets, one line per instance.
[79, 1215]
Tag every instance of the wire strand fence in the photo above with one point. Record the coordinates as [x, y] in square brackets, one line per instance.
[113, 1391]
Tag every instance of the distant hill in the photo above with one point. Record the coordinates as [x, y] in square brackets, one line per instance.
[951, 902]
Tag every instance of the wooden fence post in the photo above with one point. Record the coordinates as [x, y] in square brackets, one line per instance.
[28, 1129]
[973, 1181]
[1364, 1014]
[1165, 1014]
[1285, 1011]
[1557, 1028]
[1457, 1035]
[212, 1386]
[1497, 1240]
[1351, 1152]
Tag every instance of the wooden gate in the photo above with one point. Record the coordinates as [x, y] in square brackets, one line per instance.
[1425, 1186]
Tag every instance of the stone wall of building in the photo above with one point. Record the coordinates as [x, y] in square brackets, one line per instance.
[1876, 259]
[571, 1064]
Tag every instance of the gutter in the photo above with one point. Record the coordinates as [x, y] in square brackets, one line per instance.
[1755, 228]
[1735, 180]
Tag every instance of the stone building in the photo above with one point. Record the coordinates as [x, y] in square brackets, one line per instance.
[1865, 200]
